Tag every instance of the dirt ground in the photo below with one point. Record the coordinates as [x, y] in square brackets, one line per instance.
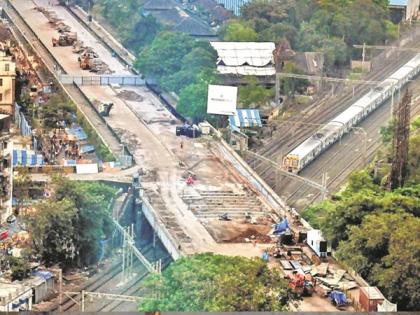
[238, 231]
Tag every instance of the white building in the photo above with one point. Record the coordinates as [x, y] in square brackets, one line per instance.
[15, 297]
[316, 241]
[7, 83]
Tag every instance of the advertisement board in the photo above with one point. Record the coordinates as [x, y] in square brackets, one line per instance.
[222, 100]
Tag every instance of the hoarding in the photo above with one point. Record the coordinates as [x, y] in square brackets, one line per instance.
[222, 100]
[87, 169]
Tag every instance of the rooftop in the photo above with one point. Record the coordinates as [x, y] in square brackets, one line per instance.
[398, 2]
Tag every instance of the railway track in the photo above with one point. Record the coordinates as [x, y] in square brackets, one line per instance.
[133, 289]
[339, 171]
[292, 134]
[99, 283]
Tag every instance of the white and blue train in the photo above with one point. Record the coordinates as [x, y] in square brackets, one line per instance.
[306, 152]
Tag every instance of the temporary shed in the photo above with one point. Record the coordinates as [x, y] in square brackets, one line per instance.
[42, 284]
[369, 298]
[15, 297]
[316, 241]
[407, 9]
[246, 118]
[27, 158]
[245, 58]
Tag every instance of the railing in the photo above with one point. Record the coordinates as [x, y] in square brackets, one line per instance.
[123, 80]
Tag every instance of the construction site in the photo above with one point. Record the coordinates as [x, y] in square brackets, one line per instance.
[180, 195]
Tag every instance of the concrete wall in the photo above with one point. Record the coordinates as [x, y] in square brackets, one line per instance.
[161, 231]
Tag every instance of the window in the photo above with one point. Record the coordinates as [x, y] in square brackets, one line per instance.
[1, 97]
[6, 67]
[1, 82]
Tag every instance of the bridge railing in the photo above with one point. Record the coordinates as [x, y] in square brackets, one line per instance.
[123, 80]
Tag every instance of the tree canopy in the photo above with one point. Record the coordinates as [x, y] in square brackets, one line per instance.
[68, 227]
[376, 231]
[216, 283]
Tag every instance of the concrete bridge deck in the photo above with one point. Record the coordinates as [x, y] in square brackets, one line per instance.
[148, 129]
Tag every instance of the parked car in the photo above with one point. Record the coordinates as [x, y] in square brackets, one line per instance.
[11, 219]
[188, 130]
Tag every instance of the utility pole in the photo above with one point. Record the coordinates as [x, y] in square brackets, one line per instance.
[363, 56]
[400, 143]
[60, 288]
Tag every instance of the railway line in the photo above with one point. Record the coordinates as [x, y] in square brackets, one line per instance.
[319, 113]
[106, 281]
[340, 171]
[294, 131]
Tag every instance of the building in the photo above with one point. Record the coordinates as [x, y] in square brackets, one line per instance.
[245, 58]
[316, 241]
[7, 83]
[175, 18]
[15, 297]
[233, 5]
[404, 10]
[369, 298]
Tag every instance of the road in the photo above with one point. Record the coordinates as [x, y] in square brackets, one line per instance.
[152, 151]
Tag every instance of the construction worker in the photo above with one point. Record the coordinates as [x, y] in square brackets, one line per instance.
[182, 144]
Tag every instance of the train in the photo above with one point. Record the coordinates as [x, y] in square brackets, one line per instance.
[329, 133]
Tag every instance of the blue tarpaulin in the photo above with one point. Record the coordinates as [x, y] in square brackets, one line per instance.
[338, 297]
[281, 228]
[245, 118]
[78, 133]
[87, 148]
[43, 274]
[27, 158]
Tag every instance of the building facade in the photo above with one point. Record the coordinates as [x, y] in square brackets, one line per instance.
[404, 10]
[7, 83]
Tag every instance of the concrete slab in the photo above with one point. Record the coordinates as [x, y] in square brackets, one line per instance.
[148, 129]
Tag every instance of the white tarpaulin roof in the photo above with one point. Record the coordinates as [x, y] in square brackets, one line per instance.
[387, 306]
[244, 53]
[247, 70]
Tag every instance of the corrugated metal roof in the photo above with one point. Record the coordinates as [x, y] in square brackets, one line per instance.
[245, 118]
[244, 53]
[233, 5]
[398, 2]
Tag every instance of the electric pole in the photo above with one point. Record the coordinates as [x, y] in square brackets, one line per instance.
[400, 143]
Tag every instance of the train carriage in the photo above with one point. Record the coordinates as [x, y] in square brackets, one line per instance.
[302, 155]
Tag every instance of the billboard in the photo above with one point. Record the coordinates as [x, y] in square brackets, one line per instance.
[222, 99]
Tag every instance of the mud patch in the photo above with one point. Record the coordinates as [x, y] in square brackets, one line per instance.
[130, 96]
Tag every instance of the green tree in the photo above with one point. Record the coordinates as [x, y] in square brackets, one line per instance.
[253, 94]
[164, 55]
[198, 63]
[67, 228]
[216, 283]
[92, 201]
[193, 101]
[237, 31]
[20, 268]
[385, 249]
[57, 110]
[53, 232]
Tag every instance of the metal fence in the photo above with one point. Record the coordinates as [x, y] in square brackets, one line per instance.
[126, 80]
[21, 122]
